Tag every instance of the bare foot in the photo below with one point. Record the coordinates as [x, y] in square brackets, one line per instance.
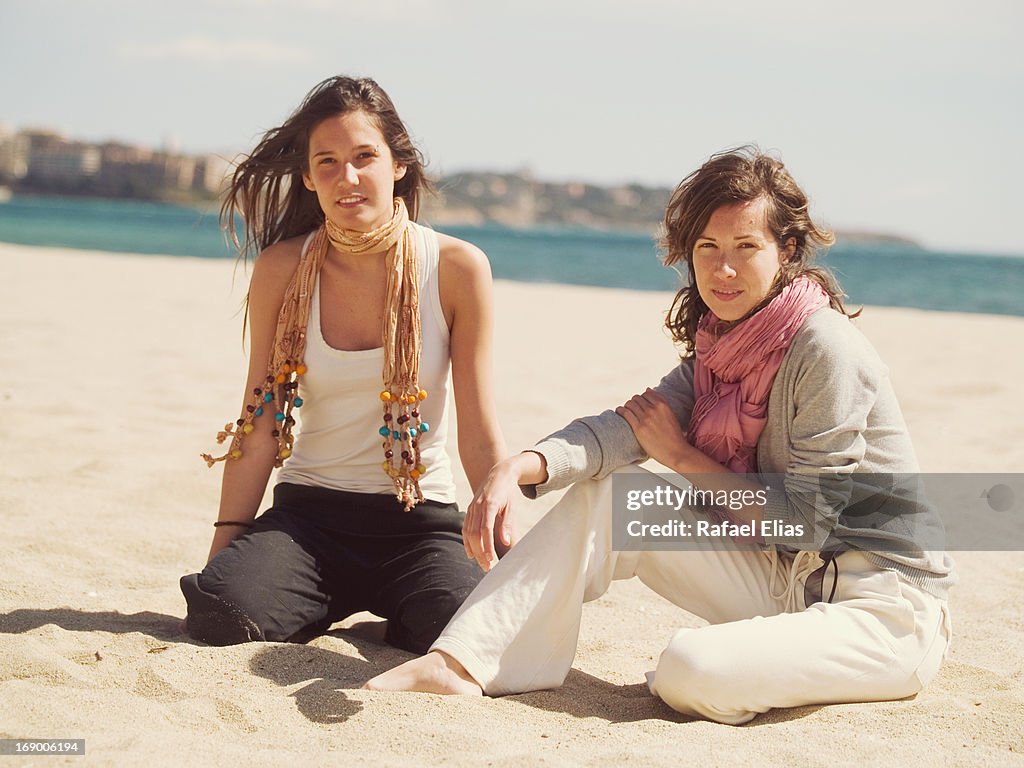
[436, 672]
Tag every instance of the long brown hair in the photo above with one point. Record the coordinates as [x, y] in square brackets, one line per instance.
[266, 189]
[741, 175]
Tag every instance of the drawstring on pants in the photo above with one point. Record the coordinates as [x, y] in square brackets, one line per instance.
[791, 579]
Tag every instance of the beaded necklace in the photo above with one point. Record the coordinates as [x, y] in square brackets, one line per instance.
[403, 424]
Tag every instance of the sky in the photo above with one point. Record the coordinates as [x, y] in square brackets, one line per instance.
[900, 116]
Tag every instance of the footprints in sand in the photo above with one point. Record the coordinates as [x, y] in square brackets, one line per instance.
[215, 709]
[153, 686]
[233, 715]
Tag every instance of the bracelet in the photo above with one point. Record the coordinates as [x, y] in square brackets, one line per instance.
[220, 523]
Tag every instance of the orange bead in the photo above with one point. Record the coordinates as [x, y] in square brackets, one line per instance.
[286, 368]
[300, 369]
[385, 396]
[422, 394]
[414, 475]
[280, 378]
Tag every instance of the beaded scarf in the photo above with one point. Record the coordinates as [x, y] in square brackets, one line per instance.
[401, 395]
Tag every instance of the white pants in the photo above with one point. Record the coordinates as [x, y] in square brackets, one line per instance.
[881, 637]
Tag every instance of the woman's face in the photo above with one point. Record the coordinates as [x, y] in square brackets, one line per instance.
[736, 259]
[352, 172]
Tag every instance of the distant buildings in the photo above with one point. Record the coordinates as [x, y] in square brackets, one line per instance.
[519, 200]
[13, 154]
[44, 161]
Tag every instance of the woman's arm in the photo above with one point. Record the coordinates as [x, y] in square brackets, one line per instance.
[825, 391]
[595, 446]
[590, 447]
[467, 302]
[651, 419]
[245, 479]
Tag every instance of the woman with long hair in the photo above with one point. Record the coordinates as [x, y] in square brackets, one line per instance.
[360, 323]
[816, 565]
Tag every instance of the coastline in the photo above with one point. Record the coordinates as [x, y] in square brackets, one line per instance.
[882, 271]
[121, 370]
[468, 209]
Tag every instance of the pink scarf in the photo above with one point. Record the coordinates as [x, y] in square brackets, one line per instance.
[733, 374]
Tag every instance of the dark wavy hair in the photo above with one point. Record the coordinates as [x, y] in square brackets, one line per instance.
[266, 188]
[741, 175]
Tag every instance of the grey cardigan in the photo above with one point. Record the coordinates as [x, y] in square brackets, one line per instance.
[834, 434]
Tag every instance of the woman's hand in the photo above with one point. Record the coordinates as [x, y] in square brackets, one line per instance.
[492, 505]
[658, 432]
[656, 428]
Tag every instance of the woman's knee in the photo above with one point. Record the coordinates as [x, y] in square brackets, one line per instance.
[262, 589]
[214, 620]
[701, 680]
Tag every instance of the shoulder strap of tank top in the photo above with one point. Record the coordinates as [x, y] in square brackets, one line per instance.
[427, 255]
[307, 241]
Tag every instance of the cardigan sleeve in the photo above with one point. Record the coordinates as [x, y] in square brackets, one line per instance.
[831, 387]
[594, 446]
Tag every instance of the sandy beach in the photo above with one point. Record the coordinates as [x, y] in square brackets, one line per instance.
[119, 370]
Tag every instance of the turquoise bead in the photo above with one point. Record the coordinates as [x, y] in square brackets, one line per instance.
[383, 431]
[424, 427]
[412, 431]
[279, 416]
[268, 397]
[298, 402]
[259, 411]
[396, 436]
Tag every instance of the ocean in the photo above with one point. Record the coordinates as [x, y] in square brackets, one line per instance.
[871, 273]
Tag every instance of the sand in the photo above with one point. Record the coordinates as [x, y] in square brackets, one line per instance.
[118, 370]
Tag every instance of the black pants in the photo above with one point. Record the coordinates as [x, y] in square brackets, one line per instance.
[319, 555]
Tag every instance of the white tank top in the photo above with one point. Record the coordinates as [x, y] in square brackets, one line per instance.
[337, 443]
